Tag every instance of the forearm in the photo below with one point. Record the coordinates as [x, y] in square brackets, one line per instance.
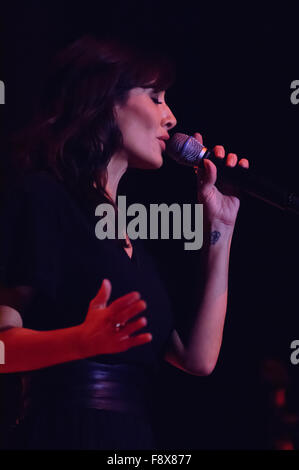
[204, 342]
[30, 349]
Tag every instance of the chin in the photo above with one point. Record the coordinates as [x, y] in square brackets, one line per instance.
[147, 164]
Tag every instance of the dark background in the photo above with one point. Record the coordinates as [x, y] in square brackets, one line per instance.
[234, 69]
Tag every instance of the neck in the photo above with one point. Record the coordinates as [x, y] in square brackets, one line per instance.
[115, 170]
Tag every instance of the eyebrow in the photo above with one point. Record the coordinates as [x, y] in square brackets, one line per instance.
[153, 90]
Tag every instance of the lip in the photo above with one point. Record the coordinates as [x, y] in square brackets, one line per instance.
[162, 143]
[164, 137]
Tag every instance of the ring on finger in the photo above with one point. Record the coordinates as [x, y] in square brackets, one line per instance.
[119, 326]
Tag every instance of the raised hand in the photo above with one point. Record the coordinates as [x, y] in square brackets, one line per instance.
[219, 205]
[108, 329]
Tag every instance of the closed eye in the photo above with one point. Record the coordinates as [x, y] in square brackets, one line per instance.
[155, 100]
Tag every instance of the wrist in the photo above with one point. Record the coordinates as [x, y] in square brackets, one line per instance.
[77, 341]
[216, 240]
[215, 232]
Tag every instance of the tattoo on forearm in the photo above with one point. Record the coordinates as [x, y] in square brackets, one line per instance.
[214, 237]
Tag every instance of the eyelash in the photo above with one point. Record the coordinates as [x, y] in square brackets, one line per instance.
[155, 100]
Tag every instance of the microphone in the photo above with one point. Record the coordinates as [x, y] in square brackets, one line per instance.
[187, 150]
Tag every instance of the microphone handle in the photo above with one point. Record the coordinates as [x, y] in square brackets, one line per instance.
[246, 181]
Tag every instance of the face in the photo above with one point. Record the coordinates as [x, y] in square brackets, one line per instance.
[144, 121]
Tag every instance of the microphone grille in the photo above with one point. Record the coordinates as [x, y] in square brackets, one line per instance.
[184, 149]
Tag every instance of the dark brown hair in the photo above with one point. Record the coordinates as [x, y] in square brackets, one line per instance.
[74, 133]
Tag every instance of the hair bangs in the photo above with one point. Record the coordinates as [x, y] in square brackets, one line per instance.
[150, 71]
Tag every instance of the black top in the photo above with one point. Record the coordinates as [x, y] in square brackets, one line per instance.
[48, 242]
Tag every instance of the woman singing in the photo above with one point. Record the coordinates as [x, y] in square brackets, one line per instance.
[87, 322]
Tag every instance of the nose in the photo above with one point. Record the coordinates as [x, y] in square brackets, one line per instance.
[168, 119]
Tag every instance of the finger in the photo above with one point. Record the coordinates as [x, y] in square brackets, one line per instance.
[231, 159]
[103, 295]
[138, 340]
[122, 302]
[133, 326]
[198, 137]
[219, 151]
[244, 163]
[207, 175]
[130, 312]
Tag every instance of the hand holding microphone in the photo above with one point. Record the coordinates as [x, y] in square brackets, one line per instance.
[190, 151]
[221, 203]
